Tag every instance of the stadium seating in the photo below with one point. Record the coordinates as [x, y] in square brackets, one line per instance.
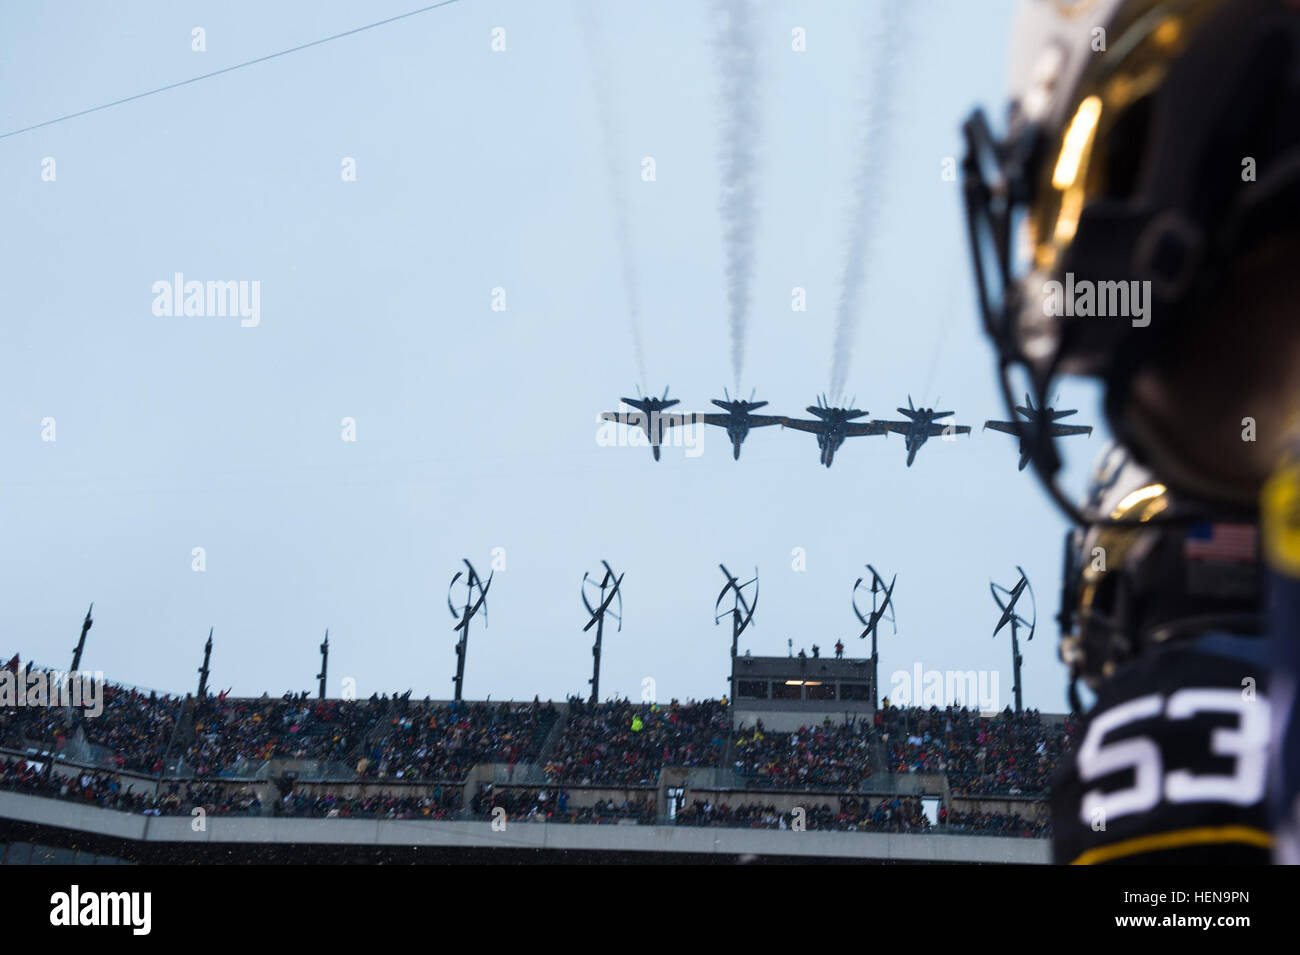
[395, 758]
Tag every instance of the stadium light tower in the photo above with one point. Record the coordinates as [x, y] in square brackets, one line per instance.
[475, 600]
[609, 588]
[81, 643]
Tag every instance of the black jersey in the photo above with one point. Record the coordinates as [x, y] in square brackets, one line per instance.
[1169, 766]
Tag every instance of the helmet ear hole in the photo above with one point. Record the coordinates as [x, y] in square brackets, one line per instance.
[1170, 250]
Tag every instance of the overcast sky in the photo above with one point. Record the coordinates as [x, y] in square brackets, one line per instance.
[476, 429]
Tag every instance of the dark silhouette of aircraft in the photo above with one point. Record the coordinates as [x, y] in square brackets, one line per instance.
[921, 424]
[650, 418]
[738, 419]
[1034, 418]
[832, 426]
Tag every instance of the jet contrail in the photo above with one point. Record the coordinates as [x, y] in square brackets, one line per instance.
[868, 187]
[737, 49]
[617, 173]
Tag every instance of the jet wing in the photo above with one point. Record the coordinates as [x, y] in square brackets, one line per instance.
[802, 424]
[641, 419]
[1006, 427]
[755, 420]
[853, 429]
[1059, 430]
[718, 420]
[937, 429]
[897, 427]
[633, 419]
[671, 419]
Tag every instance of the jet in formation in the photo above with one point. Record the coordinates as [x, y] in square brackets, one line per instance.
[832, 426]
[650, 419]
[1033, 417]
[921, 424]
[738, 419]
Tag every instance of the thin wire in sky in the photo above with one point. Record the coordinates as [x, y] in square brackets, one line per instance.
[229, 69]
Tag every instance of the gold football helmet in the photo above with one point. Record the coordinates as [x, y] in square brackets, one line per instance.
[1134, 582]
[1147, 143]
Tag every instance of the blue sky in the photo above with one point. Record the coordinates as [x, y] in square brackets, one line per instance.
[476, 428]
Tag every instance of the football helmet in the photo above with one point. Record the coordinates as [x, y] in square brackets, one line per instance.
[1147, 144]
[1133, 583]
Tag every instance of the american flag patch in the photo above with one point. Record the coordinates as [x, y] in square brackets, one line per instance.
[1228, 542]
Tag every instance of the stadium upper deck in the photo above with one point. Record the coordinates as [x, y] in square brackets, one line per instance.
[678, 764]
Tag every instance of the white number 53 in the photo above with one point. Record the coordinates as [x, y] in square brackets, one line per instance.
[1244, 743]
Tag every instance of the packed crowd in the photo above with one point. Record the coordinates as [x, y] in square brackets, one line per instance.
[380, 737]
[95, 788]
[889, 814]
[228, 733]
[176, 798]
[107, 790]
[134, 728]
[997, 823]
[613, 744]
[554, 805]
[445, 741]
[1008, 753]
[822, 757]
[441, 803]
[626, 744]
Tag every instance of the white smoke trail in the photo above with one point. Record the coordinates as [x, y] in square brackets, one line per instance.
[617, 173]
[868, 186]
[737, 49]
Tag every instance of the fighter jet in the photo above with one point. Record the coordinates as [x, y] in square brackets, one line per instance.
[651, 418]
[921, 423]
[1033, 416]
[738, 419]
[832, 426]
